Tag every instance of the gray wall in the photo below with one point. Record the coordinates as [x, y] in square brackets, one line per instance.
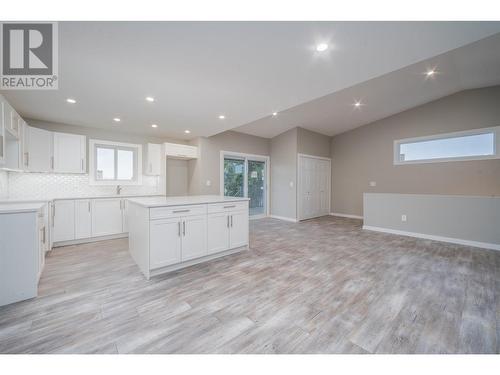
[469, 218]
[366, 154]
[283, 172]
[207, 167]
[177, 177]
[312, 143]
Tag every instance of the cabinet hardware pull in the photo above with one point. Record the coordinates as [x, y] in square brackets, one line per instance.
[52, 162]
[179, 228]
[230, 206]
[179, 211]
[89, 206]
[43, 231]
[26, 159]
[228, 221]
[83, 169]
[231, 221]
[184, 228]
[150, 167]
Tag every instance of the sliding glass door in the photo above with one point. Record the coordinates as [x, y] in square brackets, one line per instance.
[246, 176]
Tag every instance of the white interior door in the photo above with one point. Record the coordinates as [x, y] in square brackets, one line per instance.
[314, 187]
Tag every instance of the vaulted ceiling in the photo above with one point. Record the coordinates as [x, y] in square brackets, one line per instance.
[197, 71]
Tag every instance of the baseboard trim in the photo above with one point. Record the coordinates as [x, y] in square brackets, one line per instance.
[346, 215]
[89, 240]
[284, 218]
[458, 241]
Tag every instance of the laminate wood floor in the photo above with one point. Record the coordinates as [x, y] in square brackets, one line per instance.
[321, 286]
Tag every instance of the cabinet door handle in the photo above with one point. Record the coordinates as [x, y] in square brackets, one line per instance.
[184, 228]
[27, 159]
[233, 206]
[228, 221]
[52, 162]
[231, 221]
[179, 211]
[179, 228]
[89, 206]
[83, 169]
[44, 235]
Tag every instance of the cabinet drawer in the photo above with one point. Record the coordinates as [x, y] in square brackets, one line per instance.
[176, 211]
[226, 207]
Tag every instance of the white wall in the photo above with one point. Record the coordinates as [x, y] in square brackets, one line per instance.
[461, 219]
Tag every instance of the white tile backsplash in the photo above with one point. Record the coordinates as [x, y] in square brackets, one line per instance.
[4, 184]
[49, 186]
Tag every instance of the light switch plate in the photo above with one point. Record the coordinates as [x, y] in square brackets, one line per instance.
[373, 183]
[209, 183]
[403, 217]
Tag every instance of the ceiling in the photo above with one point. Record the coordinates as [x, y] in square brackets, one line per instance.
[473, 66]
[197, 71]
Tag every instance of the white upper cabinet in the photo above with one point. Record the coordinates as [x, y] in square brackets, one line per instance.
[178, 151]
[37, 155]
[152, 166]
[69, 153]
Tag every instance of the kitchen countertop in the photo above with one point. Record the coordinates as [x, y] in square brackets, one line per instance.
[184, 200]
[10, 208]
[34, 200]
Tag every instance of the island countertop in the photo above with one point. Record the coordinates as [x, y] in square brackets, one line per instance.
[184, 200]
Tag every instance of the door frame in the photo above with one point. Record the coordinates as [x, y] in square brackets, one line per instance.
[299, 185]
[247, 157]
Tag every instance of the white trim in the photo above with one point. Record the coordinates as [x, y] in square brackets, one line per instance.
[496, 147]
[284, 218]
[298, 184]
[92, 163]
[484, 245]
[346, 215]
[247, 157]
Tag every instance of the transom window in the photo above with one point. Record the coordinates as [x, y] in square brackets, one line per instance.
[113, 163]
[469, 145]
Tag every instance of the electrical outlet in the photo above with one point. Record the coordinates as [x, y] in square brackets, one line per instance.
[403, 217]
[291, 184]
[209, 183]
[373, 183]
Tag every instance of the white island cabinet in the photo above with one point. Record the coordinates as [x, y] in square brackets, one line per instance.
[169, 233]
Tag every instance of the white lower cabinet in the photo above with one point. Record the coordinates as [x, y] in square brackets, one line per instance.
[238, 233]
[194, 237]
[63, 220]
[218, 232]
[166, 237]
[107, 217]
[83, 219]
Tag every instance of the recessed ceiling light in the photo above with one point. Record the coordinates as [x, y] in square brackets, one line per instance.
[321, 47]
[116, 119]
[275, 113]
[72, 101]
[150, 99]
[430, 73]
[357, 104]
[222, 117]
[154, 126]
[187, 131]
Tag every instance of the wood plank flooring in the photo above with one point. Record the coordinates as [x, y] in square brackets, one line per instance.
[321, 286]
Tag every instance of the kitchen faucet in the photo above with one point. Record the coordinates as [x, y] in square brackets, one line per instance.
[118, 189]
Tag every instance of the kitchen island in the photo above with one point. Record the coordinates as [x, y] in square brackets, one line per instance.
[169, 233]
